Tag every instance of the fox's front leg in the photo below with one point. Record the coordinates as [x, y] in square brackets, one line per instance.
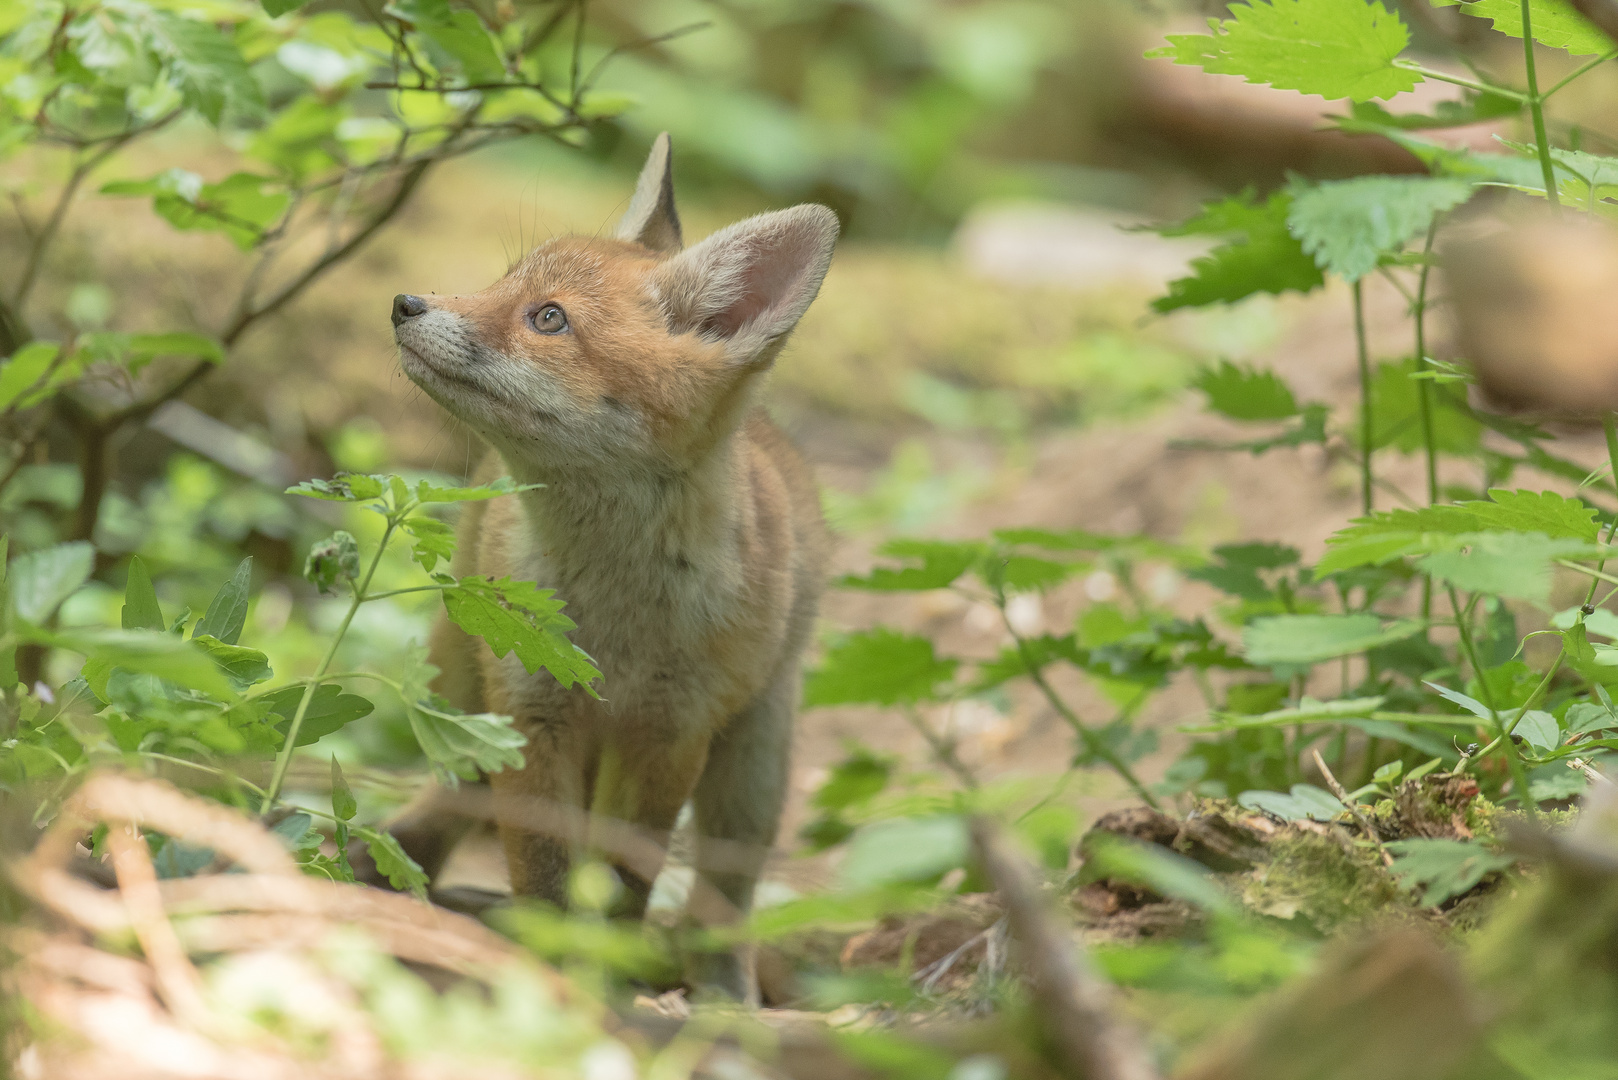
[540, 811]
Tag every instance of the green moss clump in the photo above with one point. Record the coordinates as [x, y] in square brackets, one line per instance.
[1318, 878]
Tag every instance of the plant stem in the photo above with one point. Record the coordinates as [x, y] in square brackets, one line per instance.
[283, 760]
[1365, 398]
[943, 748]
[1519, 775]
[1536, 108]
[1458, 80]
[1424, 396]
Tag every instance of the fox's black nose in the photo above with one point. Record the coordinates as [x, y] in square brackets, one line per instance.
[406, 306]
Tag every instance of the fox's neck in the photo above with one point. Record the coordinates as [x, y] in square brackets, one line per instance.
[635, 518]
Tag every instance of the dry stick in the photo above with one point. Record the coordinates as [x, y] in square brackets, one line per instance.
[1353, 808]
[137, 885]
[1076, 1003]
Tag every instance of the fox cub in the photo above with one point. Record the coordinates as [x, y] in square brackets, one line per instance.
[676, 521]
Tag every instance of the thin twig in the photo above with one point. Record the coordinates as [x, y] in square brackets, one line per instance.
[944, 749]
[1353, 807]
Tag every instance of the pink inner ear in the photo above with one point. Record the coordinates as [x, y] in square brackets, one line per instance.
[774, 266]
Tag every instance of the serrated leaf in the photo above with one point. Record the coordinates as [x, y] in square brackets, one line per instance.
[207, 66]
[1260, 255]
[1515, 565]
[402, 872]
[435, 540]
[329, 710]
[1473, 108]
[1334, 48]
[227, 612]
[243, 666]
[877, 667]
[141, 611]
[1348, 226]
[942, 564]
[1396, 415]
[505, 485]
[344, 487]
[461, 745]
[1309, 639]
[855, 779]
[1584, 717]
[1556, 23]
[1304, 801]
[1027, 573]
[1041, 652]
[343, 803]
[1244, 394]
[1448, 868]
[1538, 729]
[518, 616]
[40, 580]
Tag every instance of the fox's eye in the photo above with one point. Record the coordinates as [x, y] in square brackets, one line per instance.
[549, 319]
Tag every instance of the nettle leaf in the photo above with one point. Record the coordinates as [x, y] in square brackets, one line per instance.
[855, 779]
[1388, 535]
[1259, 254]
[1448, 868]
[1304, 801]
[1036, 654]
[461, 745]
[941, 564]
[1334, 48]
[40, 580]
[1244, 394]
[344, 487]
[1350, 225]
[402, 872]
[434, 540]
[518, 616]
[905, 849]
[141, 611]
[1396, 415]
[1027, 573]
[877, 667]
[1309, 639]
[1516, 565]
[329, 710]
[1555, 22]
[430, 493]
[1236, 568]
[227, 612]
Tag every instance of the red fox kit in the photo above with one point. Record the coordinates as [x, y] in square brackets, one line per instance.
[677, 522]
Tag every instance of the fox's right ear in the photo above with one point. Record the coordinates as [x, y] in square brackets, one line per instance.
[650, 220]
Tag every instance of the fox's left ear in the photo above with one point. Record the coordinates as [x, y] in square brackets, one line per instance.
[650, 220]
[749, 284]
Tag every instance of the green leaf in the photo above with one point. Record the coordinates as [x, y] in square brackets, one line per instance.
[1334, 48]
[877, 667]
[464, 744]
[211, 73]
[1027, 573]
[1259, 255]
[135, 351]
[1304, 801]
[429, 493]
[344, 487]
[1555, 23]
[1350, 225]
[1396, 415]
[942, 564]
[402, 872]
[227, 612]
[434, 540]
[1516, 565]
[905, 850]
[141, 611]
[518, 616]
[276, 8]
[1448, 868]
[239, 206]
[1584, 717]
[1236, 571]
[1538, 729]
[329, 710]
[29, 377]
[343, 803]
[145, 652]
[855, 779]
[40, 580]
[334, 559]
[1470, 704]
[243, 666]
[1309, 639]
[297, 832]
[1473, 108]
[1165, 872]
[1245, 394]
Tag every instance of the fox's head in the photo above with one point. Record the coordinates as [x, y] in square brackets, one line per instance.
[622, 352]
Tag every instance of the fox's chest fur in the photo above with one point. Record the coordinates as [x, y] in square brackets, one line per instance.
[684, 588]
